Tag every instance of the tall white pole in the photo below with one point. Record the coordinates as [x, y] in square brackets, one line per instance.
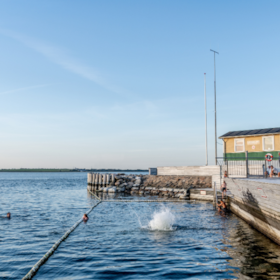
[206, 150]
[216, 162]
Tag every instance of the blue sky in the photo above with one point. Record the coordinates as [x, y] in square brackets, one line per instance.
[120, 84]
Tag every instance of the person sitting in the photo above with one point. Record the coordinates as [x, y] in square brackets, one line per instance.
[225, 174]
[222, 206]
[271, 171]
[275, 171]
[85, 217]
[223, 189]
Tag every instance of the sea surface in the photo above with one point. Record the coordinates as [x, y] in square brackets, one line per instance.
[122, 240]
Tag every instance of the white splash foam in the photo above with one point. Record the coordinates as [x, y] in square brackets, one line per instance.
[162, 220]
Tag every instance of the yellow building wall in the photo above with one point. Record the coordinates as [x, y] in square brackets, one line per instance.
[250, 142]
[277, 142]
[229, 143]
[253, 141]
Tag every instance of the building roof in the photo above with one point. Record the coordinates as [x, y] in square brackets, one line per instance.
[251, 132]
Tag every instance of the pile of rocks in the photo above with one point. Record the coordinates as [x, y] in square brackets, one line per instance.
[164, 186]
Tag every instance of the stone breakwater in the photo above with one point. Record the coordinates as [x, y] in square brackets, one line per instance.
[167, 186]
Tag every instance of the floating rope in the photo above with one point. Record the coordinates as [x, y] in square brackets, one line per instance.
[36, 267]
[94, 195]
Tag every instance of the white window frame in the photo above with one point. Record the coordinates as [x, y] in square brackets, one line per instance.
[243, 139]
[272, 143]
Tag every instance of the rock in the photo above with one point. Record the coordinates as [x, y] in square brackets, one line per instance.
[138, 180]
[183, 197]
[112, 190]
[134, 188]
[177, 190]
[105, 190]
[117, 183]
[129, 185]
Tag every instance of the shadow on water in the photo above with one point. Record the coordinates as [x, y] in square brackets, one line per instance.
[256, 256]
[251, 205]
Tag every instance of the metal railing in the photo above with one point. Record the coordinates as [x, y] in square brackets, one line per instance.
[248, 166]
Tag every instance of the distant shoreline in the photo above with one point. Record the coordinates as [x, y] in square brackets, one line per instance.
[71, 170]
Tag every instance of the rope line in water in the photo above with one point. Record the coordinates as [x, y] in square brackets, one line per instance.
[36, 267]
[94, 195]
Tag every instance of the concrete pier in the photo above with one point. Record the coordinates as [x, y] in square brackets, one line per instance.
[257, 202]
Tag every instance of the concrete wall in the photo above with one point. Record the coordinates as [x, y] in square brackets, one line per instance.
[212, 170]
[257, 202]
[202, 194]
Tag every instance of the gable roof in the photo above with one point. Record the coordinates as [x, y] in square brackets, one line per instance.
[251, 132]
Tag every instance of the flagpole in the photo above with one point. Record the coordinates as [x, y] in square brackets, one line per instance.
[206, 150]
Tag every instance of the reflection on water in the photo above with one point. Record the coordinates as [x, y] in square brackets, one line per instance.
[112, 244]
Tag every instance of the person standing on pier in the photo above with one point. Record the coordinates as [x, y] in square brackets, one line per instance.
[224, 189]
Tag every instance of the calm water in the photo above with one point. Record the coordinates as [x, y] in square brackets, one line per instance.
[116, 243]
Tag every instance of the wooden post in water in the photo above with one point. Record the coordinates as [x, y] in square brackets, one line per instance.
[108, 179]
[100, 182]
[103, 180]
[89, 180]
[113, 179]
[93, 181]
[96, 181]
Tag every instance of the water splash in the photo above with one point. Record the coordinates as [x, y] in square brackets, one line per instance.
[162, 220]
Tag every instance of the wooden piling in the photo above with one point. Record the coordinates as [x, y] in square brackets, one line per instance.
[93, 181]
[96, 181]
[113, 179]
[89, 178]
[108, 179]
[103, 180]
[100, 181]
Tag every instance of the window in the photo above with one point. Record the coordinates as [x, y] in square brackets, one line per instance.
[268, 143]
[239, 145]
